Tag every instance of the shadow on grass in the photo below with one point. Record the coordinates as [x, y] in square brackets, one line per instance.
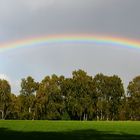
[69, 135]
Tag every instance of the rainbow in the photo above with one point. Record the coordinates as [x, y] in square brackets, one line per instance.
[59, 39]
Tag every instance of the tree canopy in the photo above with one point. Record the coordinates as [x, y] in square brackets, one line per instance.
[80, 97]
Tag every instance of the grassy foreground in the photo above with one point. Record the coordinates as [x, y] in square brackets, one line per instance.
[69, 130]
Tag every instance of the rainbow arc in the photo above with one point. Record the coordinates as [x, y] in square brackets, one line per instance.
[60, 39]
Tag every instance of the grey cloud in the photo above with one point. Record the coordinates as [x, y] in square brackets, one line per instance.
[111, 17]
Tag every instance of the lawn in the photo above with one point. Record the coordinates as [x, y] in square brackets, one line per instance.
[70, 130]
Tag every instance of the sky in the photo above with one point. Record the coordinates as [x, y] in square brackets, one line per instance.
[23, 19]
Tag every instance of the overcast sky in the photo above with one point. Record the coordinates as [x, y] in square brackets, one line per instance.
[20, 19]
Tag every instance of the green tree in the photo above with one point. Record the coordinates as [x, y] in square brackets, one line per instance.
[115, 92]
[14, 110]
[5, 91]
[78, 95]
[101, 104]
[27, 97]
[50, 103]
[109, 91]
[133, 92]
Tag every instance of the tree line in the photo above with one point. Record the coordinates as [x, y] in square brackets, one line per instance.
[80, 97]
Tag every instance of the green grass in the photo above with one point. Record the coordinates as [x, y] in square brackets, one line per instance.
[70, 130]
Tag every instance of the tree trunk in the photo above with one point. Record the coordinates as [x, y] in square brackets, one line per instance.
[101, 115]
[29, 110]
[84, 117]
[2, 114]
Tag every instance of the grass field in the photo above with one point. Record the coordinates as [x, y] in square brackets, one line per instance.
[69, 130]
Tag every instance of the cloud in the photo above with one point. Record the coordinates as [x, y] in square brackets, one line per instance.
[25, 18]
[4, 77]
[37, 4]
[15, 84]
[21, 19]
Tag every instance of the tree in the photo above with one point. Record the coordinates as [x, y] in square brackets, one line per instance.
[133, 92]
[50, 104]
[115, 92]
[109, 91]
[27, 97]
[5, 91]
[14, 110]
[101, 104]
[78, 96]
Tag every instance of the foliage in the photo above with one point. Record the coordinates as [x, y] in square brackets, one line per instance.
[134, 98]
[5, 91]
[80, 97]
